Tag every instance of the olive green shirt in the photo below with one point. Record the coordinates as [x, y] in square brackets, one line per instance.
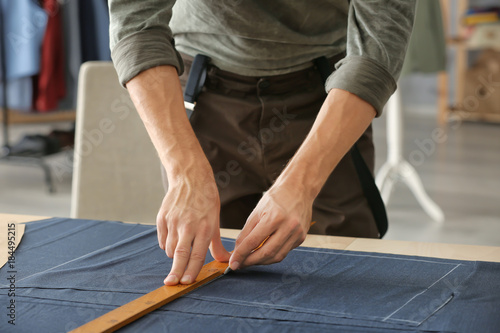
[268, 37]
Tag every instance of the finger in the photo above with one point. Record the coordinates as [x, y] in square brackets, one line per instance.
[250, 242]
[171, 242]
[279, 255]
[271, 250]
[161, 231]
[294, 241]
[182, 253]
[217, 249]
[196, 260]
[250, 224]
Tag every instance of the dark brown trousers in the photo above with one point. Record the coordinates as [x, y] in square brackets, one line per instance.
[250, 127]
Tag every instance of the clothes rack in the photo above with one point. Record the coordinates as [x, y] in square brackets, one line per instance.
[5, 155]
[3, 68]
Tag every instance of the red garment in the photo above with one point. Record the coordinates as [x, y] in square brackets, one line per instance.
[51, 85]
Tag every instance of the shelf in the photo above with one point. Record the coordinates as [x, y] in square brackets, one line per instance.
[17, 117]
[473, 116]
[456, 41]
[482, 37]
[485, 36]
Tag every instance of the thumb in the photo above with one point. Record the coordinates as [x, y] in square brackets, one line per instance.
[217, 249]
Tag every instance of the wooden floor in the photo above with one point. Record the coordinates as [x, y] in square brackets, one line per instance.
[461, 173]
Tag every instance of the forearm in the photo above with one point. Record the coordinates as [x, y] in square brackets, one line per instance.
[341, 121]
[140, 37]
[157, 96]
[283, 215]
[188, 219]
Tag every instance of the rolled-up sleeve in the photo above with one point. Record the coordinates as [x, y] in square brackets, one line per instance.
[378, 33]
[140, 37]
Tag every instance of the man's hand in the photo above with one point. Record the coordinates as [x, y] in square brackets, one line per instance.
[283, 214]
[188, 221]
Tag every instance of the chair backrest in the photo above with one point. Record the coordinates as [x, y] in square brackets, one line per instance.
[117, 172]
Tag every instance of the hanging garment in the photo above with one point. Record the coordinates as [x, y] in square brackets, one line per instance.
[427, 48]
[94, 28]
[72, 52]
[102, 27]
[24, 25]
[51, 83]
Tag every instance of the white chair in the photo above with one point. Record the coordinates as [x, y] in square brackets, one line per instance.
[116, 169]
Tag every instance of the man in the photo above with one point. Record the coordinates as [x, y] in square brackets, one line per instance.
[263, 122]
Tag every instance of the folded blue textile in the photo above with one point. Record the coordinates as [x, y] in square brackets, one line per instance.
[69, 272]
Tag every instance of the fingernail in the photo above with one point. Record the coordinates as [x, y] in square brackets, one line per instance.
[186, 279]
[171, 278]
[234, 265]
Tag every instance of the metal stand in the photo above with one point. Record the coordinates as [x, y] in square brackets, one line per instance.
[3, 68]
[396, 168]
[5, 151]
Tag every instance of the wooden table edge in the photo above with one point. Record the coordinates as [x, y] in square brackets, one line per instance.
[425, 249]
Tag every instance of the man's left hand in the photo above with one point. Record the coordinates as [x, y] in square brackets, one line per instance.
[280, 220]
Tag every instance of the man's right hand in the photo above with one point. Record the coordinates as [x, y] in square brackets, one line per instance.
[187, 223]
[188, 220]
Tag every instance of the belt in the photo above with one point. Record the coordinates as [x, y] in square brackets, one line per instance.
[196, 81]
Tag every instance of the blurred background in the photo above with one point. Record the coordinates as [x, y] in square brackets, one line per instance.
[443, 133]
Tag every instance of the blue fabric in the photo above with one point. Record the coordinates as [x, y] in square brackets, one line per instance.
[72, 271]
[24, 24]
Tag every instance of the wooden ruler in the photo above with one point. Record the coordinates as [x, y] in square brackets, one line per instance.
[132, 311]
[141, 306]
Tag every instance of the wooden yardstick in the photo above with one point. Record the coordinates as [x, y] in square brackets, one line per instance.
[141, 306]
